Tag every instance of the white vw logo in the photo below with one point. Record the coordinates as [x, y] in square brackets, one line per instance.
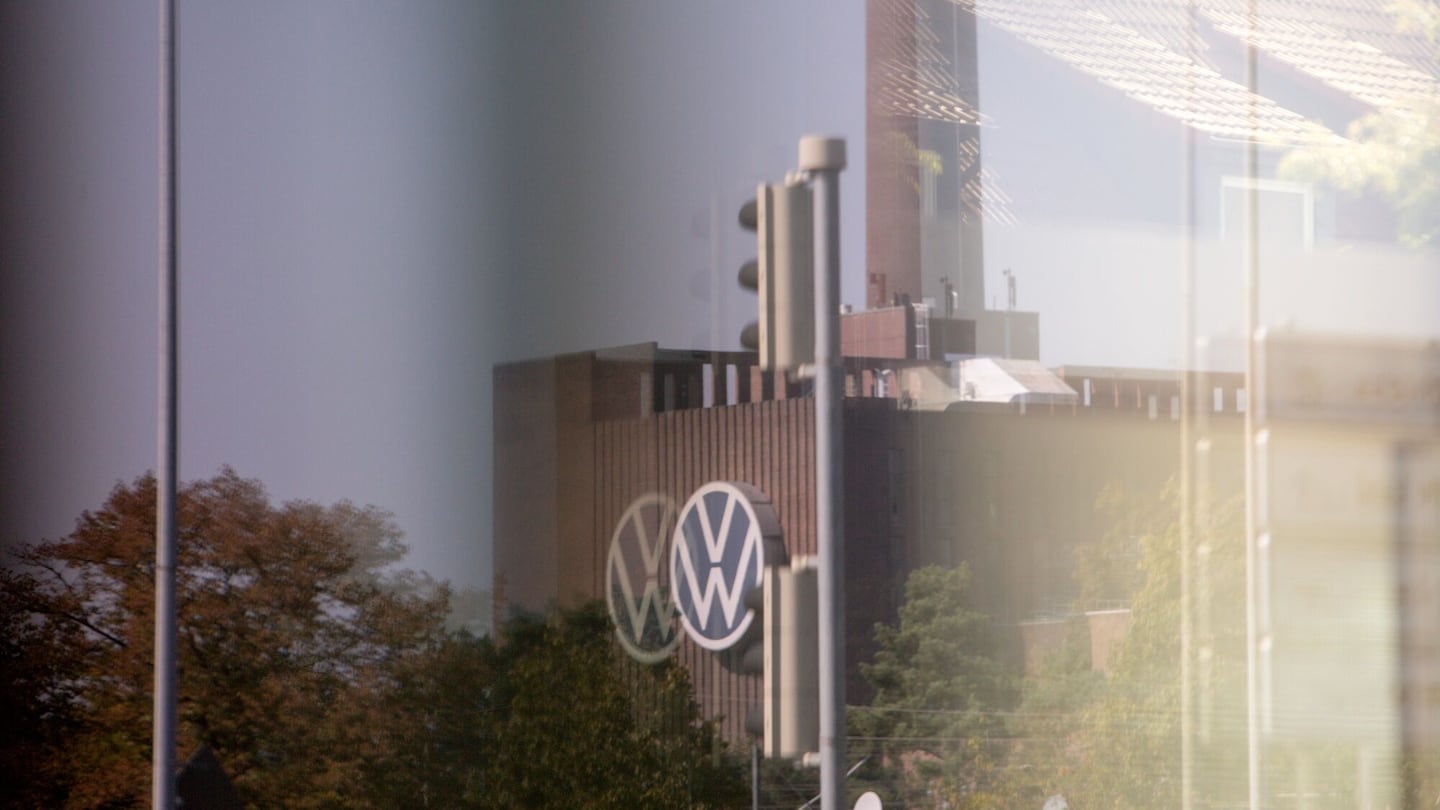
[645, 625]
[716, 556]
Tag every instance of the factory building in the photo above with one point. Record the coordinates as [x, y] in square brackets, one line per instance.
[1004, 482]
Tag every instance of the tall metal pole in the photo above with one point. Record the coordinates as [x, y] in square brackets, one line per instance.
[1188, 371]
[1253, 695]
[823, 158]
[163, 742]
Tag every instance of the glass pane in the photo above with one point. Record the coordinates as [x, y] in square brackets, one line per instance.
[486, 501]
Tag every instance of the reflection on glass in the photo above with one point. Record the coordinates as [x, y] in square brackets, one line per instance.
[1141, 472]
[1220, 213]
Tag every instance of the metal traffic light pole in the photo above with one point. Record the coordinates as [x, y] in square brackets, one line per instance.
[822, 159]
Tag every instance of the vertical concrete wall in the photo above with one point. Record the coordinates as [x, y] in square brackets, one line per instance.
[527, 462]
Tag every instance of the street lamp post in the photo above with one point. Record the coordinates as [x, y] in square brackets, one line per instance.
[823, 158]
[163, 742]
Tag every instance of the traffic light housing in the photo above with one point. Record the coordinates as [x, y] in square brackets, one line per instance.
[782, 274]
[787, 654]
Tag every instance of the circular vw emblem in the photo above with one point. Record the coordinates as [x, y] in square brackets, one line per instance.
[717, 554]
[636, 579]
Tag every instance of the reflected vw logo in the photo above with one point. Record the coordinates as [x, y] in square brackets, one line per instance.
[635, 579]
[718, 554]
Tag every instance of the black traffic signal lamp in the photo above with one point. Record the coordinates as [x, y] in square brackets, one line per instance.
[782, 274]
[786, 653]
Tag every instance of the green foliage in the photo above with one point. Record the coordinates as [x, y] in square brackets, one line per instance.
[910, 159]
[319, 675]
[1041, 761]
[567, 721]
[287, 634]
[1128, 739]
[1109, 571]
[39, 698]
[940, 693]
[951, 725]
[1393, 152]
[945, 731]
[1115, 742]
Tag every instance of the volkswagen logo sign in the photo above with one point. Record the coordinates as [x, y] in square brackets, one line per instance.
[636, 579]
[718, 553]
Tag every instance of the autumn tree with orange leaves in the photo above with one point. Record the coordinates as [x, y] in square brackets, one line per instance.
[292, 630]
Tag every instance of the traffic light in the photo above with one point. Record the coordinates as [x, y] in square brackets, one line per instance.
[782, 273]
[788, 721]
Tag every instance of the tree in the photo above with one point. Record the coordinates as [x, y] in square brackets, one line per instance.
[38, 699]
[288, 638]
[565, 720]
[1394, 151]
[940, 692]
[320, 676]
[1115, 742]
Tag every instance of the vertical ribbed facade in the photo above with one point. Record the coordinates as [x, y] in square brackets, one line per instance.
[769, 445]
[1010, 491]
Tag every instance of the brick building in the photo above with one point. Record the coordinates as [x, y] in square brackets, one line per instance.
[1009, 488]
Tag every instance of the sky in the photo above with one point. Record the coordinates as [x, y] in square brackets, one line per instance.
[378, 202]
